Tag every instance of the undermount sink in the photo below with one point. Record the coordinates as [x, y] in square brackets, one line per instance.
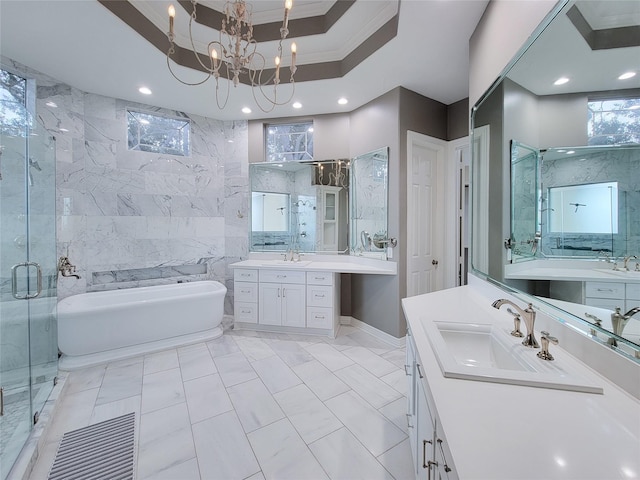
[485, 352]
[283, 263]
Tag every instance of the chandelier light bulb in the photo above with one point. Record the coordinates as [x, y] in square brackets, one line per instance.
[214, 56]
[172, 15]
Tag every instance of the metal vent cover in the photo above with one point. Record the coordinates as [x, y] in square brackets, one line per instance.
[97, 452]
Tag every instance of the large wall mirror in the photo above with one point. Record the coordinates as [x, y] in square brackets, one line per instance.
[309, 206]
[556, 171]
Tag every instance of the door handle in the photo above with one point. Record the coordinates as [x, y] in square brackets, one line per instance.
[434, 262]
[14, 280]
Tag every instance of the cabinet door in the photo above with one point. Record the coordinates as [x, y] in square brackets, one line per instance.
[409, 370]
[425, 455]
[270, 304]
[293, 305]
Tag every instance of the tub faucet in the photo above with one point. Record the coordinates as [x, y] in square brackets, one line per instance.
[626, 261]
[619, 321]
[66, 268]
[529, 317]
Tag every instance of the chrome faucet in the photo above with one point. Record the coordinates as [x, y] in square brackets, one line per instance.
[619, 321]
[529, 317]
[626, 261]
[66, 268]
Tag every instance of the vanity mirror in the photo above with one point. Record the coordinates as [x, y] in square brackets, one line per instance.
[557, 224]
[305, 206]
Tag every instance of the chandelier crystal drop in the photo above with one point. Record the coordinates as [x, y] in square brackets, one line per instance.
[235, 53]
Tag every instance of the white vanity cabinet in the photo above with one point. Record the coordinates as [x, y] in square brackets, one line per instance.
[281, 298]
[610, 295]
[431, 455]
[286, 298]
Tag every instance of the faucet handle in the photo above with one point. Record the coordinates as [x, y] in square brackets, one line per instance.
[545, 339]
[516, 324]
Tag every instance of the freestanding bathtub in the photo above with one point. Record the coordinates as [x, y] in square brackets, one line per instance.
[103, 326]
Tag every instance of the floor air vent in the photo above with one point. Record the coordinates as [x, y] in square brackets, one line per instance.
[100, 451]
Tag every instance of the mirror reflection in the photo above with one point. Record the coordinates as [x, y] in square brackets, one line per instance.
[554, 222]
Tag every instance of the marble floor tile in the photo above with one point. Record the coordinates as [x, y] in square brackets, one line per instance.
[275, 374]
[255, 406]
[85, 379]
[341, 342]
[291, 352]
[377, 433]
[74, 413]
[221, 346]
[397, 380]
[310, 417]
[329, 356]
[396, 411]
[195, 361]
[160, 361]
[368, 386]
[234, 369]
[367, 340]
[398, 357]
[359, 464]
[398, 461]
[121, 382]
[320, 380]
[160, 423]
[254, 348]
[162, 389]
[283, 455]
[165, 452]
[223, 449]
[206, 397]
[257, 476]
[182, 471]
[107, 411]
[370, 361]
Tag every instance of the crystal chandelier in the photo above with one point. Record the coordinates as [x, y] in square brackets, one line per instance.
[235, 54]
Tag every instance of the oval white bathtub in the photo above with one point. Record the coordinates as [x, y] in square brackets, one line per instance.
[103, 326]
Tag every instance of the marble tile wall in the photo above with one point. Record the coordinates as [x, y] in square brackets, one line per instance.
[119, 209]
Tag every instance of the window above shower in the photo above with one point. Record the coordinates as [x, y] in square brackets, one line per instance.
[149, 132]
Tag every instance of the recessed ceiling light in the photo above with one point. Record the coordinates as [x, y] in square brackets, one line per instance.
[51, 104]
[144, 90]
[246, 110]
[297, 105]
[342, 101]
[627, 75]
[64, 129]
[571, 152]
[561, 81]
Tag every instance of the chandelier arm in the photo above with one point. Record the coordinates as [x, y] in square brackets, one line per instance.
[193, 46]
[226, 99]
[182, 81]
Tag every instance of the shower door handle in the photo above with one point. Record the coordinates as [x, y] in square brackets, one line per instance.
[14, 280]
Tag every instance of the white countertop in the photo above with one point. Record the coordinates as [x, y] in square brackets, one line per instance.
[569, 270]
[498, 431]
[326, 263]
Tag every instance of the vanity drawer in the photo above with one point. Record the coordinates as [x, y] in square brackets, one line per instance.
[282, 276]
[246, 312]
[633, 291]
[245, 292]
[319, 317]
[245, 275]
[605, 290]
[320, 296]
[319, 278]
[606, 303]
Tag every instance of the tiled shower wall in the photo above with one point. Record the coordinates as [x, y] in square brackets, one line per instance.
[124, 216]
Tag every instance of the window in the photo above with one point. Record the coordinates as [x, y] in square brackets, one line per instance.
[14, 116]
[289, 142]
[614, 121]
[148, 132]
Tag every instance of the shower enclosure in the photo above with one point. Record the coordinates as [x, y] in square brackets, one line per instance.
[28, 334]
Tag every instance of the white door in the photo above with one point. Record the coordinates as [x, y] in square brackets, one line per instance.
[425, 223]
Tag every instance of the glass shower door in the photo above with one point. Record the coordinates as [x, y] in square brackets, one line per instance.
[28, 336]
